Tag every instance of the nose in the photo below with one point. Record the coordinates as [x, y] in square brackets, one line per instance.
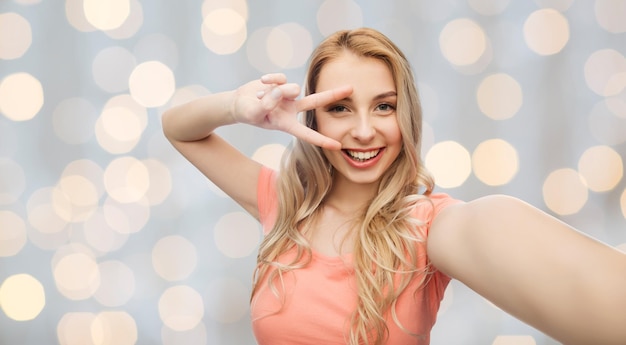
[363, 129]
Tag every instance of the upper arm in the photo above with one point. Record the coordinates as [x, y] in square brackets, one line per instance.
[535, 267]
[230, 170]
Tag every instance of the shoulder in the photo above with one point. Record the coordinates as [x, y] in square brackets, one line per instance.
[465, 224]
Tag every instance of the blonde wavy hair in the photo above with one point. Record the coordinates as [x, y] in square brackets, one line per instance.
[386, 249]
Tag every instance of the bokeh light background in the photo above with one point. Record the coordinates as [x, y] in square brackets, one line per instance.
[108, 236]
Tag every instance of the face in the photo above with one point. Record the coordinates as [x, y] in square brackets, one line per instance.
[365, 123]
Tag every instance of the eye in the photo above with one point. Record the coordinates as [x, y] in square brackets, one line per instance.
[385, 108]
[337, 109]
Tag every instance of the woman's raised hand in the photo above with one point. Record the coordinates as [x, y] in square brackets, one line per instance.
[272, 103]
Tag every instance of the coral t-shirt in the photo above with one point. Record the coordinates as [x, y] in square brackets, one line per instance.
[318, 300]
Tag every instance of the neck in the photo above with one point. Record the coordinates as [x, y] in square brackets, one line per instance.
[350, 197]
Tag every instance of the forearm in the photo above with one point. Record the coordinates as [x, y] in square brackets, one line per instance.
[536, 268]
[197, 119]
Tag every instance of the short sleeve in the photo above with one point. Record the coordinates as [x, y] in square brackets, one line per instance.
[426, 212]
[267, 200]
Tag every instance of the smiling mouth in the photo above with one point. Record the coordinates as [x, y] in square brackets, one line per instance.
[362, 156]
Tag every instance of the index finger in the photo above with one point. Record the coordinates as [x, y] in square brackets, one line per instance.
[311, 136]
[319, 99]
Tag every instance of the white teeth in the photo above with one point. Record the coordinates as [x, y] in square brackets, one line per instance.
[363, 156]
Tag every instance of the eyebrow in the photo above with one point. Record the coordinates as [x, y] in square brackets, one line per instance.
[377, 97]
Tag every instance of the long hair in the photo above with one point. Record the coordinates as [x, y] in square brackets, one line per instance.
[386, 249]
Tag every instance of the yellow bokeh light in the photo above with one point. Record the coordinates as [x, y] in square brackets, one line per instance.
[224, 21]
[76, 16]
[489, 7]
[106, 15]
[131, 25]
[197, 335]
[237, 234]
[160, 181]
[22, 297]
[269, 155]
[76, 273]
[125, 109]
[289, 45]
[21, 96]
[495, 162]
[622, 201]
[602, 168]
[605, 72]
[75, 198]
[611, 15]
[499, 96]
[174, 258]
[75, 329]
[126, 179]
[114, 328]
[151, 84]
[514, 340]
[450, 163]
[100, 235]
[121, 124]
[15, 36]
[546, 31]
[126, 217]
[462, 42]
[334, 15]
[181, 308]
[224, 44]
[565, 191]
[13, 234]
[42, 215]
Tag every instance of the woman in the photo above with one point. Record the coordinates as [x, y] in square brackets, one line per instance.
[358, 248]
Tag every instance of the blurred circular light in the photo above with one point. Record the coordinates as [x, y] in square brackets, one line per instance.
[75, 328]
[450, 163]
[21, 96]
[22, 297]
[544, 21]
[114, 328]
[237, 234]
[181, 308]
[489, 7]
[611, 15]
[224, 31]
[605, 72]
[499, 96]
[565, 191]
[15, 36]
[174, 258]
[335, 15]
[602, 168]
[152, 84]
[13, 234]
[269, 155]
[495, 162]
[462, 42]
[106, 15]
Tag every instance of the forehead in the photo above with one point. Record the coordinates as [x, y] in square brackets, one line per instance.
[357, 71]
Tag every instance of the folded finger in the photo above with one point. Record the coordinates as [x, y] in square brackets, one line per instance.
[305, 133]
[323, 98]
[274, 78]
